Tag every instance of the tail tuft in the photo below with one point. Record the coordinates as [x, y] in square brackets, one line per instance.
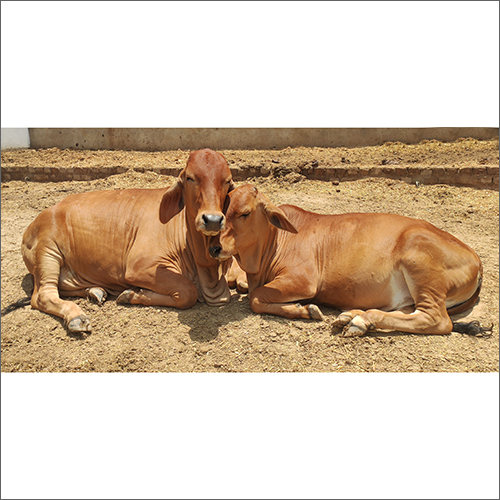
[473, 328]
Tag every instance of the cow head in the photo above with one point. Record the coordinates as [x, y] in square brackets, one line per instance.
[201, 188]
[249, 216]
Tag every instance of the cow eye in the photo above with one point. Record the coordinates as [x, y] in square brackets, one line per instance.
[190, 179]
[244, 216]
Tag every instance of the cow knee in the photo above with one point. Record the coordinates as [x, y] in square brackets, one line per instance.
[242, 283]
[256, 305]
[187, 298]
[443, 327]
[434, 323]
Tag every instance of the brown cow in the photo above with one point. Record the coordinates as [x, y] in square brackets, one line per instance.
[135, 243]
[384, 271]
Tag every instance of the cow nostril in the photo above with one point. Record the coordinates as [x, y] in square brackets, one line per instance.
[212, 219]
[215, 251]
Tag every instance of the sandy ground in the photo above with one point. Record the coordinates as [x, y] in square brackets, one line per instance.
[232, 338]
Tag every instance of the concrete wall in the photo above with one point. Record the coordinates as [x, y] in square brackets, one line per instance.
[162, 139]
[15, 138]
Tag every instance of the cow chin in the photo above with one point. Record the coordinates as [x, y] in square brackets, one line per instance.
[209, 233]
[216, 251]
[225, 255]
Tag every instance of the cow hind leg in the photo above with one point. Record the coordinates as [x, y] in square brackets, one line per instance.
[436, 321]
[419, 321]
[346, 317]
[46, 298]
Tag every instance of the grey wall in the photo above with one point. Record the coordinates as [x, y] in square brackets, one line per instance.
[15, 138]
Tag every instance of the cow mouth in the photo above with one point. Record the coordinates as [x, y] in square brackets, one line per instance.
[209, 233]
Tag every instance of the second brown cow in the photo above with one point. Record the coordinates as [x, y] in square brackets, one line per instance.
[383, 271]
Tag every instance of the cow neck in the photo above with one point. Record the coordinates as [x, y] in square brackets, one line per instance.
[211, 283]
[266, 255]
[198, 244]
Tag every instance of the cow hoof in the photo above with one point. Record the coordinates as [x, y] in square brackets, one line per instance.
[80, 324]
[125, 297]
[341, 321]
[315, 312]
[355, 328]
[242, 286]
[97, 295]
[353, 331]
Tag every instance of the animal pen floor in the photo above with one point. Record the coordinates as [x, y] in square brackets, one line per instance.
[232, 338]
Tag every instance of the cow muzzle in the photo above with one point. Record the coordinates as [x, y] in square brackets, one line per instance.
[215, 251]
[211, 224]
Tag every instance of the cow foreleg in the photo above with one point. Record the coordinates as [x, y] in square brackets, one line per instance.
[237, 278]
[142, 296]
[269, 299]
[47, 300]
[158, 286]
[183, 296]
[96, 294]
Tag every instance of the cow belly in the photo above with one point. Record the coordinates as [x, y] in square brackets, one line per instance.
[69, 281]
[387, 294]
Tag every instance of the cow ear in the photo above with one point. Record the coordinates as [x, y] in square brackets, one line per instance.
[172, 202]
[226, 201]
[278, 218]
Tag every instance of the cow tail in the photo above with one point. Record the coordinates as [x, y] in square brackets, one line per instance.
[463, 306]
[16, 305]
[471, 327]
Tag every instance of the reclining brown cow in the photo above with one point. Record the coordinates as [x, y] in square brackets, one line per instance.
[384, 271]
[135, 243]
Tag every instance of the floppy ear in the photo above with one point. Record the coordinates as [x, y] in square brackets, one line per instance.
[278, 218]
[226, 201]
[172, 202]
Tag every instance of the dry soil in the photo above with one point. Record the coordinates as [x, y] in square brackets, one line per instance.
[232, 338]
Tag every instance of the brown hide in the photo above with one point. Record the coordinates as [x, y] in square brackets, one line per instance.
[137, 241]
[385, 271]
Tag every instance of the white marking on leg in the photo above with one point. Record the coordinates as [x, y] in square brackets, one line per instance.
[400, 292]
